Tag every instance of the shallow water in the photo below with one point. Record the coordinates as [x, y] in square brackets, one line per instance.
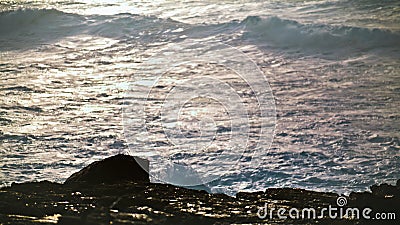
[333, 68]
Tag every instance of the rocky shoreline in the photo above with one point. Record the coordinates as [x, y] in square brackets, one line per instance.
[134, 200]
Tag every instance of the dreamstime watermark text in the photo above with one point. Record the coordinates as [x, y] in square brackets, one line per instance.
[332, 212]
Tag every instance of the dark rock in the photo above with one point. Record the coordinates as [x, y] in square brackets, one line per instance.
[116, 169]
[385, 190]
[361, 196]
[123, 195]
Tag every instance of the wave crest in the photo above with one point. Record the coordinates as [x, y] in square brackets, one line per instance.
[11, 21]
[277, 32]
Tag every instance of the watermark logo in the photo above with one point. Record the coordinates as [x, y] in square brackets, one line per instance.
[198, 111]
[341, 201]
[331, 212]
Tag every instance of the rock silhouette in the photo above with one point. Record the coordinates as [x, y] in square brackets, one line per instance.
[123, 195]
[116, 169]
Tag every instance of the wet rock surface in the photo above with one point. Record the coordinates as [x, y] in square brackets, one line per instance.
[138, 202]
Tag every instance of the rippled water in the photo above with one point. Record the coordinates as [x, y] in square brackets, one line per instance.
[333, 68]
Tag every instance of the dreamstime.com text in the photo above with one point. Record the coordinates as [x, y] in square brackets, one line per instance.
[333, 212]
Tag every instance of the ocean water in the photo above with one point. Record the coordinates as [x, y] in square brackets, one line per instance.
[75, 73]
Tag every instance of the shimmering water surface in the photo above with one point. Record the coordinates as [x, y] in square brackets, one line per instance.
[333, 67]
